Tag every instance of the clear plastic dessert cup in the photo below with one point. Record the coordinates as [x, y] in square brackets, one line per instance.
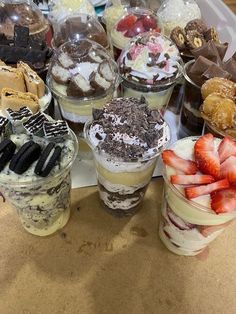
[209, 128]
[150, 66]
[121, 184]
[191, 122]
[134, 21]
[42, 204]
[77, 27]
[81, 76]
[173, 13]
[187, 227]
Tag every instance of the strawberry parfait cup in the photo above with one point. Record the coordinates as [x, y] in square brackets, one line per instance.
[149, 67]
[134, 22]
[199, 198]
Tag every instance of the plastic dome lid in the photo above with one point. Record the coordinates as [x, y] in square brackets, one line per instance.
[150, 59]
[82, 69]
[23, 13]
[77, 27]
[134, 22]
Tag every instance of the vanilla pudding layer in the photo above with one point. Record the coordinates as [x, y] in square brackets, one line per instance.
[156, 100]
[187, 238]
[79, 110]
[197, 211]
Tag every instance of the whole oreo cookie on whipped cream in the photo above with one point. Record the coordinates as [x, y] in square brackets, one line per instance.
[150, 59]
[128, 129]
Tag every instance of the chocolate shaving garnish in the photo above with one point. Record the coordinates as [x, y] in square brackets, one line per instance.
[25, 156]
[48, 160]
[97, 113]
[129, 56]
[7, 149]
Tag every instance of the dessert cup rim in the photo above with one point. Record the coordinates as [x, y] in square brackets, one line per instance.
[121, 160]
[194, 204]
[216, 130]
[42, 180]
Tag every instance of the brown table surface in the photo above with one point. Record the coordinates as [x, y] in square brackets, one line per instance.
[101, 264]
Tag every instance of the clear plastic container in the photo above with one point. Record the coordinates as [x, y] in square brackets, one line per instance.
[150, 66]
[89, 78]
[77, 27]
[23, 13]
[133, 22]
[174, 13]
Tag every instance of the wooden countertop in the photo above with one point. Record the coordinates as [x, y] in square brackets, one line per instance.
[100, 264]
[231, 4]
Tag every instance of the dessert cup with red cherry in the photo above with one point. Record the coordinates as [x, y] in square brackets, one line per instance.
[132, 23]
[199, 198]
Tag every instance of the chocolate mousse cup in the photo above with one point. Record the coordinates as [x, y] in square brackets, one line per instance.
[187, 227]
[42, 204]
[123, 179]
[191, 122]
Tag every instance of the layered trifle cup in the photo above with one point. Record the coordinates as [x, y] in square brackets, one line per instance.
[126, 137]
[37, 153]
[82, 76]
[150, 66]
[135, 21]
[199, 198]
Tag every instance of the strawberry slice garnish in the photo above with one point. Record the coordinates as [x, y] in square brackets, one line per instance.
[226, 149]
[191, 179]
[192, 192]
[171, 159]
[228, 169]
[224, 201]
[125, 23]
[207, 159]
[149, 22]
[136, 29]
[208, 230]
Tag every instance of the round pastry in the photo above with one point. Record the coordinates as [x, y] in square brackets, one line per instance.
[224, 87]
[178, 36]
[196, 25]
[195, 39]
[219, 111]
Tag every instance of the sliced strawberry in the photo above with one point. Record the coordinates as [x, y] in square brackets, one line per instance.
[208, 230]
[171, 159]
[207, 159]
[125, 23]
[224, 201]
[195, 191]
[136, 29]
[191, 179]
[226, 149]
[228, 169]
[149, 22]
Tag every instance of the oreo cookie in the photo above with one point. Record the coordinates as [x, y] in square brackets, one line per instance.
[24, 112]
[7, 149]
[47, 160]
[3, 123]
[55, 130]
[26, 155]
[35, 123]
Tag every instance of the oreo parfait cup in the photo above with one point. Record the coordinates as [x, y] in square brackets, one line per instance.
[88, 80]
[122, 184]
[187, 227]
[150, 66]
[42, 203]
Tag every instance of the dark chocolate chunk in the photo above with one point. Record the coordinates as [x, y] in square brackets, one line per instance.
[35, 123]
[4, 40]
[222, 48]
[25, 156]
[7, 149]
[24, 112]
[178, 36]
[215, 71]
[21, 36]
[230, 66]
[97, 113]
[46, 162]
[56, 129]
[209, 51]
